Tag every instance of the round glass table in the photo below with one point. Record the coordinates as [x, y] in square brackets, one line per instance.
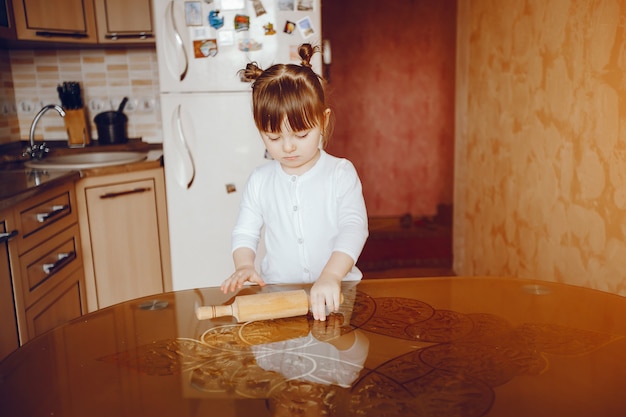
[452, 346]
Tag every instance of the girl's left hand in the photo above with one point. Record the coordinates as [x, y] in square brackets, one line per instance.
[239, 277]
[325, 294]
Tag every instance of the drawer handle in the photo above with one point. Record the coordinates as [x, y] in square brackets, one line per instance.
[138, 35]
[56, 210]
[121, 193]
[5, 237]
[64, 258]
[48, 34]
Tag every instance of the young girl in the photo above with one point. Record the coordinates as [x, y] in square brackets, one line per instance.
[310, 202]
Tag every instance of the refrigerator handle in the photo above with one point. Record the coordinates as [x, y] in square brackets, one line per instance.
[181, 135]
[179, 39]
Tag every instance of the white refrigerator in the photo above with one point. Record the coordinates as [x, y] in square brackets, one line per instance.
[210, 142]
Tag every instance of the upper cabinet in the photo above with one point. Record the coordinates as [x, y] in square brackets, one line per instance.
[55, 20]
[84, 21]
[7, 25]
[124, 21]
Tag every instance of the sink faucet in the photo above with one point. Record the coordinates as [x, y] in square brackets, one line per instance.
[38, 151]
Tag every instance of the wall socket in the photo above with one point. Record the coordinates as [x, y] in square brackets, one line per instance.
[97, 105]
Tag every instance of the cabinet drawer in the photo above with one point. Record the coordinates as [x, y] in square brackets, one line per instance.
[44, 267]
[45, 216]
[64, 303]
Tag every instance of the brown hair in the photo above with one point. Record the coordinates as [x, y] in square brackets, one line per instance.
[288, 91]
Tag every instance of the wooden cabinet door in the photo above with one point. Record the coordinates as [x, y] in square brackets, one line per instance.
[9, 339]
[125, 241]
[7, 24]
[124, 21]
[64, 303]
[55, 20]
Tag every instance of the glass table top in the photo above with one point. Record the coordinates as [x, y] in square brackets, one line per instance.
[421, 346]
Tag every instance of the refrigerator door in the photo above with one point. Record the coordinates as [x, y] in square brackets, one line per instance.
[210, 148]
[194, 55]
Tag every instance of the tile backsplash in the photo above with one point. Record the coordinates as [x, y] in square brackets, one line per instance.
[106, 76]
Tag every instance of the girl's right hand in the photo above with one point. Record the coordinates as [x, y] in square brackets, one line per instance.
[239, 277]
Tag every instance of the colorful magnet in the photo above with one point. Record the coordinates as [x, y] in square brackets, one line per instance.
[247, 45]
[215, 20]
[286, 5]
[269, 29]
[242, 22]
[193, 13]
[203, 48]
[305, 5]
[306, 27]
[258, 8]
[289, 27]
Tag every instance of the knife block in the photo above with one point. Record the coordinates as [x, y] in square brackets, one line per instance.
[78, 131]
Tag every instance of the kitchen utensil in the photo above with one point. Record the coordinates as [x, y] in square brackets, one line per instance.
[70, 95]
[264, 306]
[112, 125]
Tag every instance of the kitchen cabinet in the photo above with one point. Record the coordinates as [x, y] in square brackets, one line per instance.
[7, 25]
[123, 223]
[9, 338]
[55, 20]
[45, 259]
[84, 21]
[124, 21]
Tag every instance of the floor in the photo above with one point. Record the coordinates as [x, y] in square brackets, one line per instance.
[408, 273]
[405, 246]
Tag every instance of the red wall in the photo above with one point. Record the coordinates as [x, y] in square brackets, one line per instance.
[392, 91]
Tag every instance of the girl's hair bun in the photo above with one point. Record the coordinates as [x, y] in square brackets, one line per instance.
[250, 73]
[306, 51]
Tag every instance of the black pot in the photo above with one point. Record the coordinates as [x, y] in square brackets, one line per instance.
[112, 126]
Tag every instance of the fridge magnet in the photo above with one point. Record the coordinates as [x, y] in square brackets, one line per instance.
[215, 20]
[193, 13]
[233, 4]
[226, 37]
[258, 8]
[306, 27]
[286, 5]
[289, 27]
[247, 44]
[204, 48]
[269, 29]
[294, 55]
[305, 5]
[242, 22]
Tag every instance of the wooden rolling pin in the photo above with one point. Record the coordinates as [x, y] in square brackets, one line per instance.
[264, 306]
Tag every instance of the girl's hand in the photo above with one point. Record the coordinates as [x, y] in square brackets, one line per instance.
[239, 277]
[325, 293]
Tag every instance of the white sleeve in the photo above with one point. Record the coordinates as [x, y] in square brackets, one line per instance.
[247, 230]
[351, 211]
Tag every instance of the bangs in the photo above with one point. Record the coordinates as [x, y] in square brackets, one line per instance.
[290, 100]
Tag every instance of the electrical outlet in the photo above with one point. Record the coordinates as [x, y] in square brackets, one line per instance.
[26, 107]
[131, 105]
[97, 105]
[147, 104]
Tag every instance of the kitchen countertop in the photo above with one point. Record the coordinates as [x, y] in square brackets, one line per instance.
[18, 183]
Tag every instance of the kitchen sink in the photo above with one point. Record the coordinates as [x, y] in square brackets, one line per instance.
[86, 160]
